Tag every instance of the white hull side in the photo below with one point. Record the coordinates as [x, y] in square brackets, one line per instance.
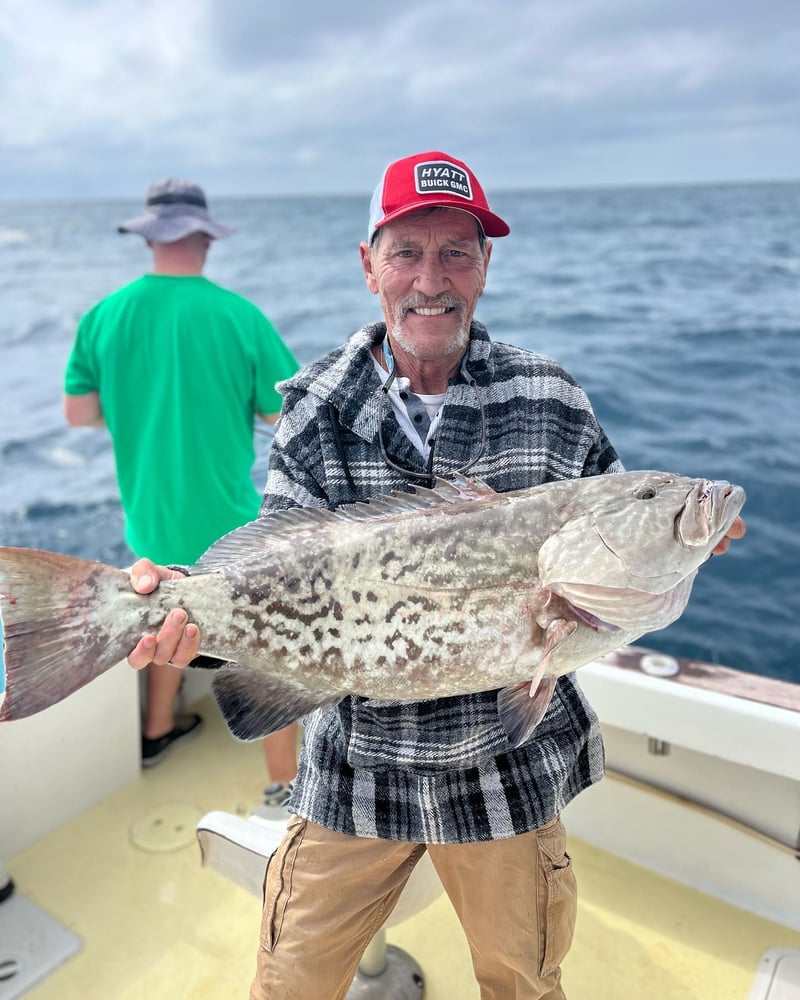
[730, 773]
[55, 765]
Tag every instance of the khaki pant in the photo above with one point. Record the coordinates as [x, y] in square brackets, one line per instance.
[326, 895]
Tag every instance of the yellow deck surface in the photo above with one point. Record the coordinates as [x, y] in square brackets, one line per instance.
[157, 926]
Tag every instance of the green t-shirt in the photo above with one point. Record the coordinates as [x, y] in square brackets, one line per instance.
[181, 366]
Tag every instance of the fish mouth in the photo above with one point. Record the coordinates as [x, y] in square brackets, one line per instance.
[708, 512]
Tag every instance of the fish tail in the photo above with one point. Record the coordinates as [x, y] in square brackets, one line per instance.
[57, 627]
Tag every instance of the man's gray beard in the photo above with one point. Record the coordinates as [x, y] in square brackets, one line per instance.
[457, 343]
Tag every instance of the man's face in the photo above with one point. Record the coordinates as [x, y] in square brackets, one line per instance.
[429, 271]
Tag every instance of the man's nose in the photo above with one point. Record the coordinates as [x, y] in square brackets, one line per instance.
[431, 277]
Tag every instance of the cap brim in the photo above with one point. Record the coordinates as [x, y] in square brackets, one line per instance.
[492, 224]
[170, 229]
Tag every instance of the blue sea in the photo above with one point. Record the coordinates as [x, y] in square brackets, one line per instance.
[677, 308]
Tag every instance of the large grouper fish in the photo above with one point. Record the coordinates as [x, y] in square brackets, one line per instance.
[409, 596]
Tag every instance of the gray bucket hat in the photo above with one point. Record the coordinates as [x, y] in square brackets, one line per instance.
[174, 208]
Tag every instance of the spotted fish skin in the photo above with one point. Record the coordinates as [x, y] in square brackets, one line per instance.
[407, 597]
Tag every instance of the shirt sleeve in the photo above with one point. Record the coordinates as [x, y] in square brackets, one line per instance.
[602, 458]
[80, 376]
[296, 477]
[275, 363]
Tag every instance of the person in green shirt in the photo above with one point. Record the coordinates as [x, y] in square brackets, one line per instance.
[183, 446]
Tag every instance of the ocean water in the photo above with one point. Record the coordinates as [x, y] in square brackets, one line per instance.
[678, 309]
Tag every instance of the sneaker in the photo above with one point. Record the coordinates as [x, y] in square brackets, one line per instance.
[155, 750]
[276, 799]
[6, 892]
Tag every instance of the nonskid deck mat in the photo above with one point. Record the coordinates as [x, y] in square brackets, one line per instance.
[32, 945]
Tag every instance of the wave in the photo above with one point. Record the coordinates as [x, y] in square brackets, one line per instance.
[10, 237]
[92, 530]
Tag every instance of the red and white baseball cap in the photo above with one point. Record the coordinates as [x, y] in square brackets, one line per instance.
[431, 180]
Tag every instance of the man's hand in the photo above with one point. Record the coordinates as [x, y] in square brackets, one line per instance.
[178, 640]
[736, 530]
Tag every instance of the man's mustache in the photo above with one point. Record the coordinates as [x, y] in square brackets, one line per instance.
[424, 302]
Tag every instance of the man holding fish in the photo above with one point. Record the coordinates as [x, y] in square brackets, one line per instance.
[427, 394]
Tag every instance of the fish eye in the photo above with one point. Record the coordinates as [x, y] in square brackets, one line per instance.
[646, 493]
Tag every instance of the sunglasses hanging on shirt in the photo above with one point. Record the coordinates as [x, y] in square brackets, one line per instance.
[428, 475]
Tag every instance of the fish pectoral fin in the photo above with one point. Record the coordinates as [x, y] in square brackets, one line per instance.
[558, 631]
[255, 705]
[521, 708]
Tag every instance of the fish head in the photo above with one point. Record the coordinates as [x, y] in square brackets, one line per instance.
[632, 543]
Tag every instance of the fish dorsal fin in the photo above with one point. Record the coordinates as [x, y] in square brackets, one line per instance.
[282, 527]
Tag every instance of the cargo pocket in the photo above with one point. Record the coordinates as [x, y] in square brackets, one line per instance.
[558, 897]
[278, 883]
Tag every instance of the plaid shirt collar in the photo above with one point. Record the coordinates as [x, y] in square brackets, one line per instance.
[352, 385]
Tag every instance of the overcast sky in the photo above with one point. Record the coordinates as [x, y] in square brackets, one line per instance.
[98, 97]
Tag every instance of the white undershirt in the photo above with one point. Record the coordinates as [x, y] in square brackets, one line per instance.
[431, 402]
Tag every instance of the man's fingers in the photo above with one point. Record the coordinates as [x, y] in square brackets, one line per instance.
[737, 529]
[188, 647]
[143, 652]
[144, 576]
[178, 640]
[177, 643]
[169, 636]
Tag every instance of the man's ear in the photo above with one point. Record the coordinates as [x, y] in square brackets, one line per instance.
[486, 259]
[366, 265]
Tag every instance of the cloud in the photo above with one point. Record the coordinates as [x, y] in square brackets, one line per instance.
[102, 95]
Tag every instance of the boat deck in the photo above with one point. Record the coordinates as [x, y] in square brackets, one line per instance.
[125, 876]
